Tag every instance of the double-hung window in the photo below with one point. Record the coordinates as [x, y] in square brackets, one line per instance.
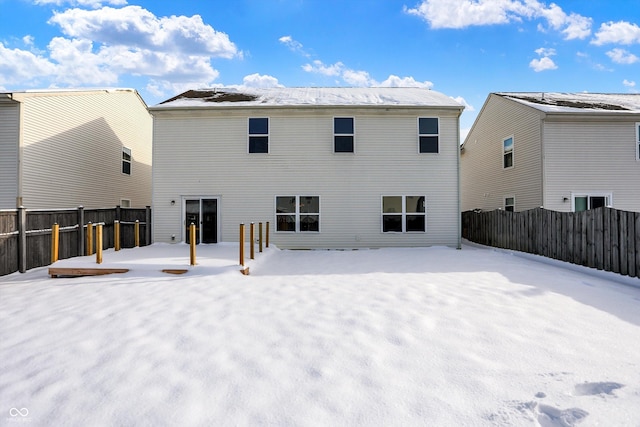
[343, 135]
[126, 161]
[298, 213]
[428, 134]
[258, 135]
[510, 204]
[402, 214]
[507, 152]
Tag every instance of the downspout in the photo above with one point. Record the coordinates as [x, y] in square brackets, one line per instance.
[543, 177]
[459, 245]
[20, 179]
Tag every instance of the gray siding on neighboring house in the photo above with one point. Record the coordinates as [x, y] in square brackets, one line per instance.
[9, 146]
[591, 154]
[72, 148]
[484, 181]
[204, 153]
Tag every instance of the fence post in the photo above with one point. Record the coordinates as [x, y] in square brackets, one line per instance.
[89, 238]
[147, 230]
[99, 244]
[241, 241]
[80, 231]
[22, 239]
[192, 244]
[252, 238]
[267, 242]
[55, 240]
[116, 235]
[260, 237]
[136, 233]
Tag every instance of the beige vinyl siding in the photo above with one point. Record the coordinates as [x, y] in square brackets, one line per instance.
[591, 155]
[207, 155]
[9, 146]
[484, 181]
[72, 148]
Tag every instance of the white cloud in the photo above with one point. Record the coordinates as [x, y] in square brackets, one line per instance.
[542, 64]
[319, 67]
[466, 13]
[358, 78]
[17, 66]
[467, 106]
[617, 32]
[395, 81]
[137, 27]
[84, 3]
[293, 45]
[629, 84]
[257, 80]
[544, 51]
[621, 56]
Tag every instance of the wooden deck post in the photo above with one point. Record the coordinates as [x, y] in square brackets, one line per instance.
[267, 241]
[252, 238]
[136, 236]
[99, 244]
[89, 238]
[241, 244]
[260, 237]
[80, 231]
[55, 240]
[22, 239]
[116, 235]
[192, 244]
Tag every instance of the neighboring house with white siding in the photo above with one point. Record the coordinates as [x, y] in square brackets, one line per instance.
[327, 167]
[562, 151]
[71, 147]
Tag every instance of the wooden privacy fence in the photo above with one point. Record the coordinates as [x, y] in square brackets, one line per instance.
[603, 238]
[25, 235]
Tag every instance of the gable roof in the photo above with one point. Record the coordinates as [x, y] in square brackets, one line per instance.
[581, 103]
[309, 96]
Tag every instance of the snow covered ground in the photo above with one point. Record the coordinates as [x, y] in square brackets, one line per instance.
[387, 337]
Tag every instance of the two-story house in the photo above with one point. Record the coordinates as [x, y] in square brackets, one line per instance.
[327, 167]
[561, 151]
[64, 148]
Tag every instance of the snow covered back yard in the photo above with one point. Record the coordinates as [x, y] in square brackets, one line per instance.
[387, 337]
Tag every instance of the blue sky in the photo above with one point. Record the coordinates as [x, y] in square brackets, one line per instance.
[462, 48]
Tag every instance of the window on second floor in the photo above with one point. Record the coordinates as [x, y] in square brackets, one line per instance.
[343, 135]
[428, 135]
[507, 153]
[258, 135]
[126, 161]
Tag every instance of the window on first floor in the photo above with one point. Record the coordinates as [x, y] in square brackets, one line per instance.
[428, 135]
[126, 161]
[258, 135]
[403, 214]
[510, 204]
[583, 202]
[343, 135]
[298, 213]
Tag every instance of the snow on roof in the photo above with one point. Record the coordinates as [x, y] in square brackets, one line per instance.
[309, 96]
[553, 102]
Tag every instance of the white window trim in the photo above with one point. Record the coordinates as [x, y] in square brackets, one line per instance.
[126, 150]
[268, 134]
[297, 213]
[353, 135]
[504, 204]
[428, 134]
[404, 214]
[608, 195]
